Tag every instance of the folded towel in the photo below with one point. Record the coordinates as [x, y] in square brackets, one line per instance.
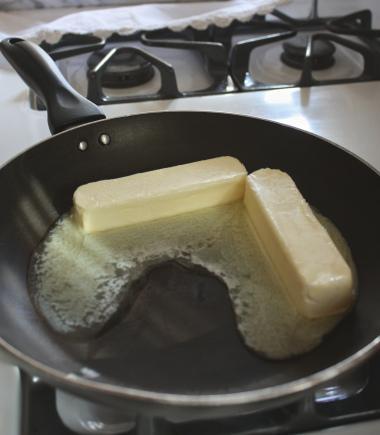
[130, 19]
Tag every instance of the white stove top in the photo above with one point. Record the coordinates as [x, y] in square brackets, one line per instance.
[345, 114]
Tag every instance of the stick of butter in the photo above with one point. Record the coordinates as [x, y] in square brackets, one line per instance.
[155, 194]
[315, 276]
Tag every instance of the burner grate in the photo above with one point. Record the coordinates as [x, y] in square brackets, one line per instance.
[227, 62]
[322, 30]
[168, 89]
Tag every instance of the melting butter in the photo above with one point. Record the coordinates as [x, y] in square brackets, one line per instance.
[79, 280]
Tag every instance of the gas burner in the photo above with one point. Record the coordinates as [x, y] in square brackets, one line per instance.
[250, 56]
[310, 44]
[125, 69]
[294, 54]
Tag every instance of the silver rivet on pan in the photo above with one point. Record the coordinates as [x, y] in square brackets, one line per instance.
[83, 145]
[104, 139]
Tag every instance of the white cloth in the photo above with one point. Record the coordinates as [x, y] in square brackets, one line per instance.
[129, 19]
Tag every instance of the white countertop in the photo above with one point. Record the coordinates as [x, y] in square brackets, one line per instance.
[345, 114]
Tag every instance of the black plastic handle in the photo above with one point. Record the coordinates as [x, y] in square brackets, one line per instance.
[65, 106]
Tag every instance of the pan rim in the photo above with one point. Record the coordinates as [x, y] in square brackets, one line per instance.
[74, 381]
[287, 389]
[186, 113]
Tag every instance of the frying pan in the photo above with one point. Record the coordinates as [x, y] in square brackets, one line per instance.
[211, 373]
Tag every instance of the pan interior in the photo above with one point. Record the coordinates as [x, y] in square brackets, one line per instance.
[85, 285]
[340, 186]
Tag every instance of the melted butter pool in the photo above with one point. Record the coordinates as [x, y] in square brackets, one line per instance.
[79, 281]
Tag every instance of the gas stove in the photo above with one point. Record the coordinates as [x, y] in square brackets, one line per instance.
[314, 68]
[279, 50]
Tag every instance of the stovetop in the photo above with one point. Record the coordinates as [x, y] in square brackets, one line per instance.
[279, 50]
[352, 398]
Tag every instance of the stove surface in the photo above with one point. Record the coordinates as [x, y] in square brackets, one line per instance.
[352, 398]
[286, 48]
[346, 114]
[10, 398]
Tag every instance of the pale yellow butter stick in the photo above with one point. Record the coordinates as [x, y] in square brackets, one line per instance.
[161, 193]
[315, 276]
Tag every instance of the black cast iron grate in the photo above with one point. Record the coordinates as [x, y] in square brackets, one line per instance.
[227, 63]
[358, 24]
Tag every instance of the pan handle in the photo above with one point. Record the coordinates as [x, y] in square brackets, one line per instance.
[65, 106]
